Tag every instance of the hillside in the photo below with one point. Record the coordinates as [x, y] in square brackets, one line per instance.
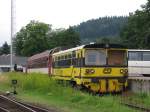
[94, 29]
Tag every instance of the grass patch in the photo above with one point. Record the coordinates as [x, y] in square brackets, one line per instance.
[140, 98]
[43, 90]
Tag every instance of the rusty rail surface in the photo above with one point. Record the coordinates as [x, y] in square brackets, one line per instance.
[9, 105]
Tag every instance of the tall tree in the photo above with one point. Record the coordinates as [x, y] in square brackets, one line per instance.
[0, 51]
[5, 49]
[137, 32]
[36, 37]
[64, 38]
[32, 39]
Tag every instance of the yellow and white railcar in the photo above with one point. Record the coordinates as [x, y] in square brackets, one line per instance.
[99, 67]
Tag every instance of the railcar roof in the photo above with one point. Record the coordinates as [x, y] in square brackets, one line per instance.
[69, 50]
[40, 55]
[105, 46]
[91, 46]
[138, 50]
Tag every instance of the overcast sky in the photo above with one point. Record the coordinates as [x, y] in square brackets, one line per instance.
[61, 13]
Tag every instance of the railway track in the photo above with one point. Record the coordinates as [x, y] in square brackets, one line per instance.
[137, 107]
[127, 99]
[9, 105]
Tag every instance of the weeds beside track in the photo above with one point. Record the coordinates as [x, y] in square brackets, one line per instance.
[41, 89]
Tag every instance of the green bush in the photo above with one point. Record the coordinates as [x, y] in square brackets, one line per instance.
[43, 89]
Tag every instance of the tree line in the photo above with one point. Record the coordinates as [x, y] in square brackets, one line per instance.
[132, 31]
[103, 27]
[37, 36]
[136, 34]
[5, 49]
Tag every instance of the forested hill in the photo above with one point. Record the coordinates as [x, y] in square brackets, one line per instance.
[94, 29]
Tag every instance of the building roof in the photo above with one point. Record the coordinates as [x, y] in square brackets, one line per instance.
[5, 60]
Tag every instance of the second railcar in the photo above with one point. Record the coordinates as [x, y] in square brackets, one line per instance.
[40, 63]
[139, 62]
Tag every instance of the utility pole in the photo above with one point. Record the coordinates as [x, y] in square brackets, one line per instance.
[12, 32]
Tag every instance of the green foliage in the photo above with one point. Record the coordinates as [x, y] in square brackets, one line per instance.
[136, 34]
[140, 98]
[32, 39]
[37, 37]
[64, 38]
[108, 27]
[5, 49]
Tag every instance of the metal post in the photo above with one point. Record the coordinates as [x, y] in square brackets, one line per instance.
[12, 32]
[11, 49]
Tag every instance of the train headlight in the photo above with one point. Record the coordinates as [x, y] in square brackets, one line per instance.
[107, 70]
[89, 71]
[123, 71]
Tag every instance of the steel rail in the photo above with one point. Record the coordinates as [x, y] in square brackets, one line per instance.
[138, 107]
[26, 109]
[31, 107]
[36, 108]
[3, 110]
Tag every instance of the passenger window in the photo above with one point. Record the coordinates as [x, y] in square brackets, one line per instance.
[146, 56]
[65, 57]
[61, 57]
[78, 55]
[81, 54]
[135, 56]
[69, 56]
[58, 58]
[73, 54]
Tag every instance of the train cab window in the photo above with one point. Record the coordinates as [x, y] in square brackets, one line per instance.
[117, 58]
[135, 56]
[146, 56]
[95, 57]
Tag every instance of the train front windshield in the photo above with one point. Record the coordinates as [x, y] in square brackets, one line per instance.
[117, 58]
[95, 57]
[103, 58]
